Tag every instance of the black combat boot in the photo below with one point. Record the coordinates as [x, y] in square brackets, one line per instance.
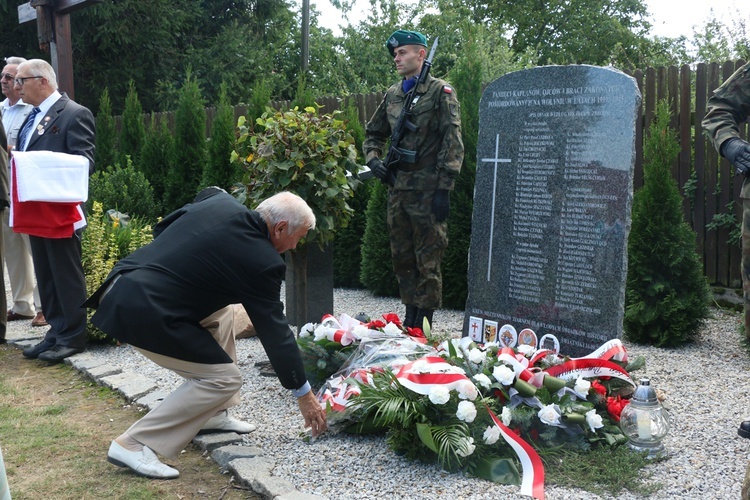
[422, 315]
[410, 317]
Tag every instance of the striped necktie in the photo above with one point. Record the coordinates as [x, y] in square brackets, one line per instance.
[27, 128]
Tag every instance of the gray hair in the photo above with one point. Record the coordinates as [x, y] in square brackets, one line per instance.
[289, 207]
[14, 60]
[40, 67]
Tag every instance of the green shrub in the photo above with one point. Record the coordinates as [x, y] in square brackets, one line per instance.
[186, 173]
[347, 243]
[377, 264]
[133, 131]
[157, 156]
[106, 134]
[666, 297]
[467, 75]
[220, 170]
[124, 189]
[104, 242]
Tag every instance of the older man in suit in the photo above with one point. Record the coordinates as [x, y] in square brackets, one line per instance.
[171, 300]
[56, 124]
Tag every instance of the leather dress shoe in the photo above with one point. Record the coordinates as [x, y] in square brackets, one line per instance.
[34, 351]
[57, 353]
[744, 429]
[2, 340]
[39, 320]
[144, 463]
[14, 316]
[223, 423]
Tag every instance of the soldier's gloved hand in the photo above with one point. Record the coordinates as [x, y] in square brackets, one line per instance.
[377, 167]
[737, 152]
[441, 204]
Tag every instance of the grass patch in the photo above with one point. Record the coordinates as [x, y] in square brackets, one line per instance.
[603, 471]
[55, 429]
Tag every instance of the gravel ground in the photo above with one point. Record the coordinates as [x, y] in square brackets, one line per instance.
[707, 458]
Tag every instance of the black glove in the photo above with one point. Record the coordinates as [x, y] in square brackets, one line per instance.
[378, 168]
[441, 204]
[737, 152]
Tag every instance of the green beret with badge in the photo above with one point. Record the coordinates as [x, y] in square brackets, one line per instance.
[404, 37]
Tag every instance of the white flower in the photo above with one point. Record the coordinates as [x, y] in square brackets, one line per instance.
[467, 391]
[465, 342]
[503, 374]
[483, 380]
[594, 420]
[466, 411]
[505, 416]
[307, 330]
[439, 395]
[582, 387]
[392, 329]
[466, 447]
[321, 332]
[361, 331]
[321, 364]
[526, 350]
[550, 415]
[492, 434]
[457, 347]
[477, 356]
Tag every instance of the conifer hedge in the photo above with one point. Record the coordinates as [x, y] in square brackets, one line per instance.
[666, 297]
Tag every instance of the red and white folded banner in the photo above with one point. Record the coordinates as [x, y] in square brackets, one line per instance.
[532, 481]
[43, 219]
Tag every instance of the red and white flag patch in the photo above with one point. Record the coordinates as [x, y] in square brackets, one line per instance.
[447, 89]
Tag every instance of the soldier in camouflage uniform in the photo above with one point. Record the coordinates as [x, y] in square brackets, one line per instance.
[419, 199]
[727, 109]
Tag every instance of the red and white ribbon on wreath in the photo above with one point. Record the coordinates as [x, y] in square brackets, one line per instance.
[589, 368]
[612, 349]
[532, 481]
[338, 394]
[339, 331]
[425, 373]
[520, 365]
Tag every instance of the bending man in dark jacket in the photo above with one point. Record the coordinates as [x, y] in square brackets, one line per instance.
[170, 301]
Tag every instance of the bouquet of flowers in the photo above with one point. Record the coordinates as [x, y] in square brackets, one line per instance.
[327, 345]
[453, 404]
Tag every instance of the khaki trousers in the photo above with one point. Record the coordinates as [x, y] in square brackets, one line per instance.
[207, 390]
[17, 252]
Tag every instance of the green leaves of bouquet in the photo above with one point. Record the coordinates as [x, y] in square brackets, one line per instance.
[446, 427]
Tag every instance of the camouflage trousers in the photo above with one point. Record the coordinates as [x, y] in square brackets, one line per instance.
[746, 261]
[418, 243]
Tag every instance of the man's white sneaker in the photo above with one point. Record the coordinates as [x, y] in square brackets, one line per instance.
[144, 462]
[223, 422]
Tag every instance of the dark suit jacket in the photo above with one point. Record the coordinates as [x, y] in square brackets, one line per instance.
[205, 256]
[71, 132]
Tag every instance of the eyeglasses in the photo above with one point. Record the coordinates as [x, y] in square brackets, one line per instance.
[7, 77]
[21, 81]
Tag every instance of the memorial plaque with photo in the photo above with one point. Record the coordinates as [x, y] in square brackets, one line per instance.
[554, 189]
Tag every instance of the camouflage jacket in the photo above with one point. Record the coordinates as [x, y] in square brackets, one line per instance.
[726, 110]
[437, 140]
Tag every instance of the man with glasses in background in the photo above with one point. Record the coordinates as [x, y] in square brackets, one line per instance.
[17, 250]
[57, 124]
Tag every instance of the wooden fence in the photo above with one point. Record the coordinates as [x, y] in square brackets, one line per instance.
[713, 189]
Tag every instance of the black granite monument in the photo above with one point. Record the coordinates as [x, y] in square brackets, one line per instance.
[554, 189]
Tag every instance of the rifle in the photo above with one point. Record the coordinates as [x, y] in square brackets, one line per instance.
[396, 154]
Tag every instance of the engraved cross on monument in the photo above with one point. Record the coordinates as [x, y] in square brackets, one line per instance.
[53, 30]
[494, 160]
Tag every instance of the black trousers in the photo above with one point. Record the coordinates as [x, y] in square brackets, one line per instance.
[62, 288]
